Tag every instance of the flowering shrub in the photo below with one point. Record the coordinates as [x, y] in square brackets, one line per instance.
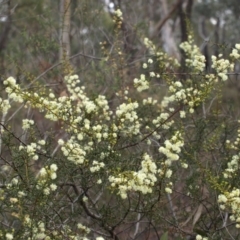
[109, 165]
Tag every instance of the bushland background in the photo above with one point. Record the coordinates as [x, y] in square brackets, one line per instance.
[42, 41]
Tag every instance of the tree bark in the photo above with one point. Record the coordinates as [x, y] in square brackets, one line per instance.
[169, 44]
[65, 14]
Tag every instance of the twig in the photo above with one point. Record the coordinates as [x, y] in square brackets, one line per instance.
[149, 134]
[137, 225]
[164, 20]
[57, 64]
[171, 207]
[1, 130]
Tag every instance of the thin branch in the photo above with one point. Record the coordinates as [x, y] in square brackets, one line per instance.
[164, 20]
[149, 134]
[171, 207]
[137, 225]
[1, 130]
[59, 63]
[88, 212]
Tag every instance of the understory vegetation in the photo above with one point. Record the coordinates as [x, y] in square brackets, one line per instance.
[108, 147]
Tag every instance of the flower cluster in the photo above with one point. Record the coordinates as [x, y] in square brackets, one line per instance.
[45, 175]
[9, 236]
[190, 96]
[27, 123]
[96, 166]
[141, 84]
[73, 151]
[38, 230]
[221, 66]
[233, 164]
[83, 230]
[118, 13]
[231, 200]
[117, 19]
[232, 167]
[14, 185]
[235, 52]
[4, 105]
[13, 89]
[172, 148]
[149, 101]
[33, 149]
[126, 114]
[150, 46]
[195, 60]
[199, 237]
[141, 181]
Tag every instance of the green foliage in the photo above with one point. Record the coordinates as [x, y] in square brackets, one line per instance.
[164, 236]
[125, 147]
